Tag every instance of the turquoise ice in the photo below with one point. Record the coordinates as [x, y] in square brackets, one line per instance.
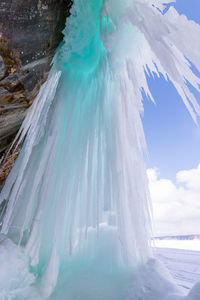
[76, 201]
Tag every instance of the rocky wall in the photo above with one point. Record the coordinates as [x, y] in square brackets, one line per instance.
[30, 31]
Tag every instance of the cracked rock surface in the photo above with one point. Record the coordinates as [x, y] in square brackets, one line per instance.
[30, 31]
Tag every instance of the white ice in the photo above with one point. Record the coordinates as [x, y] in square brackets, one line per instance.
[82, 160]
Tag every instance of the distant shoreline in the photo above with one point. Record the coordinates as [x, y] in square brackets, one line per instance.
[178, 237]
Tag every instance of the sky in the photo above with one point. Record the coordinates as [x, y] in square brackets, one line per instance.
[173, 141]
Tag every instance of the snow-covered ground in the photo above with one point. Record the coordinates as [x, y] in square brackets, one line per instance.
[178, 244]
[182, 258]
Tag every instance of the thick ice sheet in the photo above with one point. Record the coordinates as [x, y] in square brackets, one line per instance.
[78, 190]
[82, 279]
[184, 265]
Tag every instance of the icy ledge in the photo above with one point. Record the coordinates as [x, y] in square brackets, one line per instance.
[151, 281]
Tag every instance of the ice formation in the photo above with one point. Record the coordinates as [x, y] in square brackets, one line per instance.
[76, 201]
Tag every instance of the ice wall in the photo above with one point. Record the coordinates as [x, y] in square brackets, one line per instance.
[77, 199]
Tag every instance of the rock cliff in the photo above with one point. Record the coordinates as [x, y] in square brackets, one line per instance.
[30, 31]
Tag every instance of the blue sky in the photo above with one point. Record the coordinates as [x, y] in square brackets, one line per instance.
[172, 137]
[173, 163]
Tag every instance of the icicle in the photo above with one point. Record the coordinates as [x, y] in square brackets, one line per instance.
[77, 196]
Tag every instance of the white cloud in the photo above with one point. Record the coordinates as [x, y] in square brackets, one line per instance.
[176, 206]
[191, 178]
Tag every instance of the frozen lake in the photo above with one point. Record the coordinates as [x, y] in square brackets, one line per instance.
[183, 264]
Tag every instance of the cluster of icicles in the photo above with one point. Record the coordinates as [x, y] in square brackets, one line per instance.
[75, 207]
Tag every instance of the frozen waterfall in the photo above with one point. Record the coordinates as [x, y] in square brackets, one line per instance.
[76, 215]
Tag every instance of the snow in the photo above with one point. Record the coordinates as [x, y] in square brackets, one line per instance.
[181, 260]
[178, 244]
[80, 177]
[152, 281]
[15, 277]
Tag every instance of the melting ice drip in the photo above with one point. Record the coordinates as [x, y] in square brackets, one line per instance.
[76, 199]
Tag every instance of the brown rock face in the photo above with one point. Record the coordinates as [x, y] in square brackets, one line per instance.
[30, 31]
